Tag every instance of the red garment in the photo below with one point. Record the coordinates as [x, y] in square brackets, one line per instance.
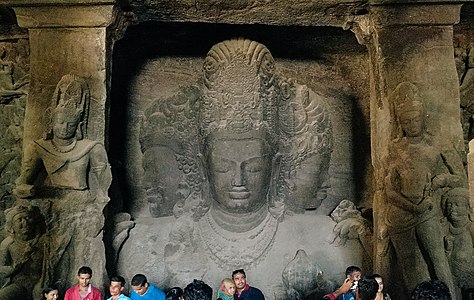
[73, 294]
[246, 288]
[330, 296]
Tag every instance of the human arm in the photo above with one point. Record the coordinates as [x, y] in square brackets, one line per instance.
[31, 167]
[101, 176]
[392, 183]
[343, 289]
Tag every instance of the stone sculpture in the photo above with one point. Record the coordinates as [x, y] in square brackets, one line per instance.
[25, 267]
[351, 225]
[419, 171]
[251, 151]
[306, 145]
[301, 276]
[64, 154]
[73, 172]
[458, 240]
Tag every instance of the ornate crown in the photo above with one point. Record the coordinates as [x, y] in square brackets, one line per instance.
[240, 91]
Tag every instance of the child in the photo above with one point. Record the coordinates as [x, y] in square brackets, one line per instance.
[227, 290]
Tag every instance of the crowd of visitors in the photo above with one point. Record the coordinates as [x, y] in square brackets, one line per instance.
[354, 287]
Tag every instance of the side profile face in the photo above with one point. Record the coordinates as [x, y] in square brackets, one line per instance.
[412, 123]
[84, 280]
[140, 289]
[308, 178]
[239, 173]
[240, 280]
[162, 180]
[115, 288]
[53, 295]
[64, 125]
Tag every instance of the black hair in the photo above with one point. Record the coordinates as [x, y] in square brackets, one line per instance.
[367, 288]
[174, 293]
[352, 269]
[47, 290]
[139, 280]
[431, 290]
[84, 270]
[197, 290]
[117, 278]
[241, 271]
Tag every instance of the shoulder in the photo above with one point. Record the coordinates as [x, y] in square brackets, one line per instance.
[156, 291]
[71, 290]
[255, 291]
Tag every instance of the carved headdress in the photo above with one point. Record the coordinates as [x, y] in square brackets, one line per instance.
[72, 97]
[405, 98]
[240, 91]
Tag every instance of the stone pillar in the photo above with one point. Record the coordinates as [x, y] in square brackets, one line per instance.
[66, 37]
[70, 37]
[408, 41]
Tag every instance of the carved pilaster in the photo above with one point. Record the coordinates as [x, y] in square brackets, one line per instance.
[412, 42]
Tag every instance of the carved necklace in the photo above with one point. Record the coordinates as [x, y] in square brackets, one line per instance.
[232, 249]
[64, 149]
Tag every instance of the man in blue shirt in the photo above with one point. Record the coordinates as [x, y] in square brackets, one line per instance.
[143, 290]
[116, 287]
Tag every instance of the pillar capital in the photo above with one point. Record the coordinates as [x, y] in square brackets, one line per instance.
[415, 12]
[63, 13]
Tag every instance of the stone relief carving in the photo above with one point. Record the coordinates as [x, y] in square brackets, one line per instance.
[419, 172]
[301, 276]
[233, 170]
[12, 112]
[68, 176]
[24, 263]
[351, 225]
[458, 240]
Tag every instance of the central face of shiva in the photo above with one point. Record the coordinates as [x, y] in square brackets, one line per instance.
[239, 173]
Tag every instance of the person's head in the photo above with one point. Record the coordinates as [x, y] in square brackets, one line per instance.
[239, 278]
[23, 222]
[456, 206]
[239, 168]
[68, 108]
[379, 280]
[197, 290]
[228, 286]
[175, 293]
[139, 284]
[84, 275]
[353, 273]
[50, 293]
[431, 290]
[367, 289]
[409, 109]
[116, 285]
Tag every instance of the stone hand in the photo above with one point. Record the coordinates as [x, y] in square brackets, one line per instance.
[24, 191]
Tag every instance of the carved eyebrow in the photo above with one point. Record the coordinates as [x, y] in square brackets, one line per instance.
[251, 158]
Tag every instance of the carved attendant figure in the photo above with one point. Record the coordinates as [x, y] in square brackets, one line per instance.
[23, 265]
[458, 242]
[417, 173]
[77, 174]
[64, 154]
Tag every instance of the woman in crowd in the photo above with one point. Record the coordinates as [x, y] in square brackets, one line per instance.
[50, 293]
[380, 293]
[226, 290]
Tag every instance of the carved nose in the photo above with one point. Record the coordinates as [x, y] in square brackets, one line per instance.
[238, 178]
